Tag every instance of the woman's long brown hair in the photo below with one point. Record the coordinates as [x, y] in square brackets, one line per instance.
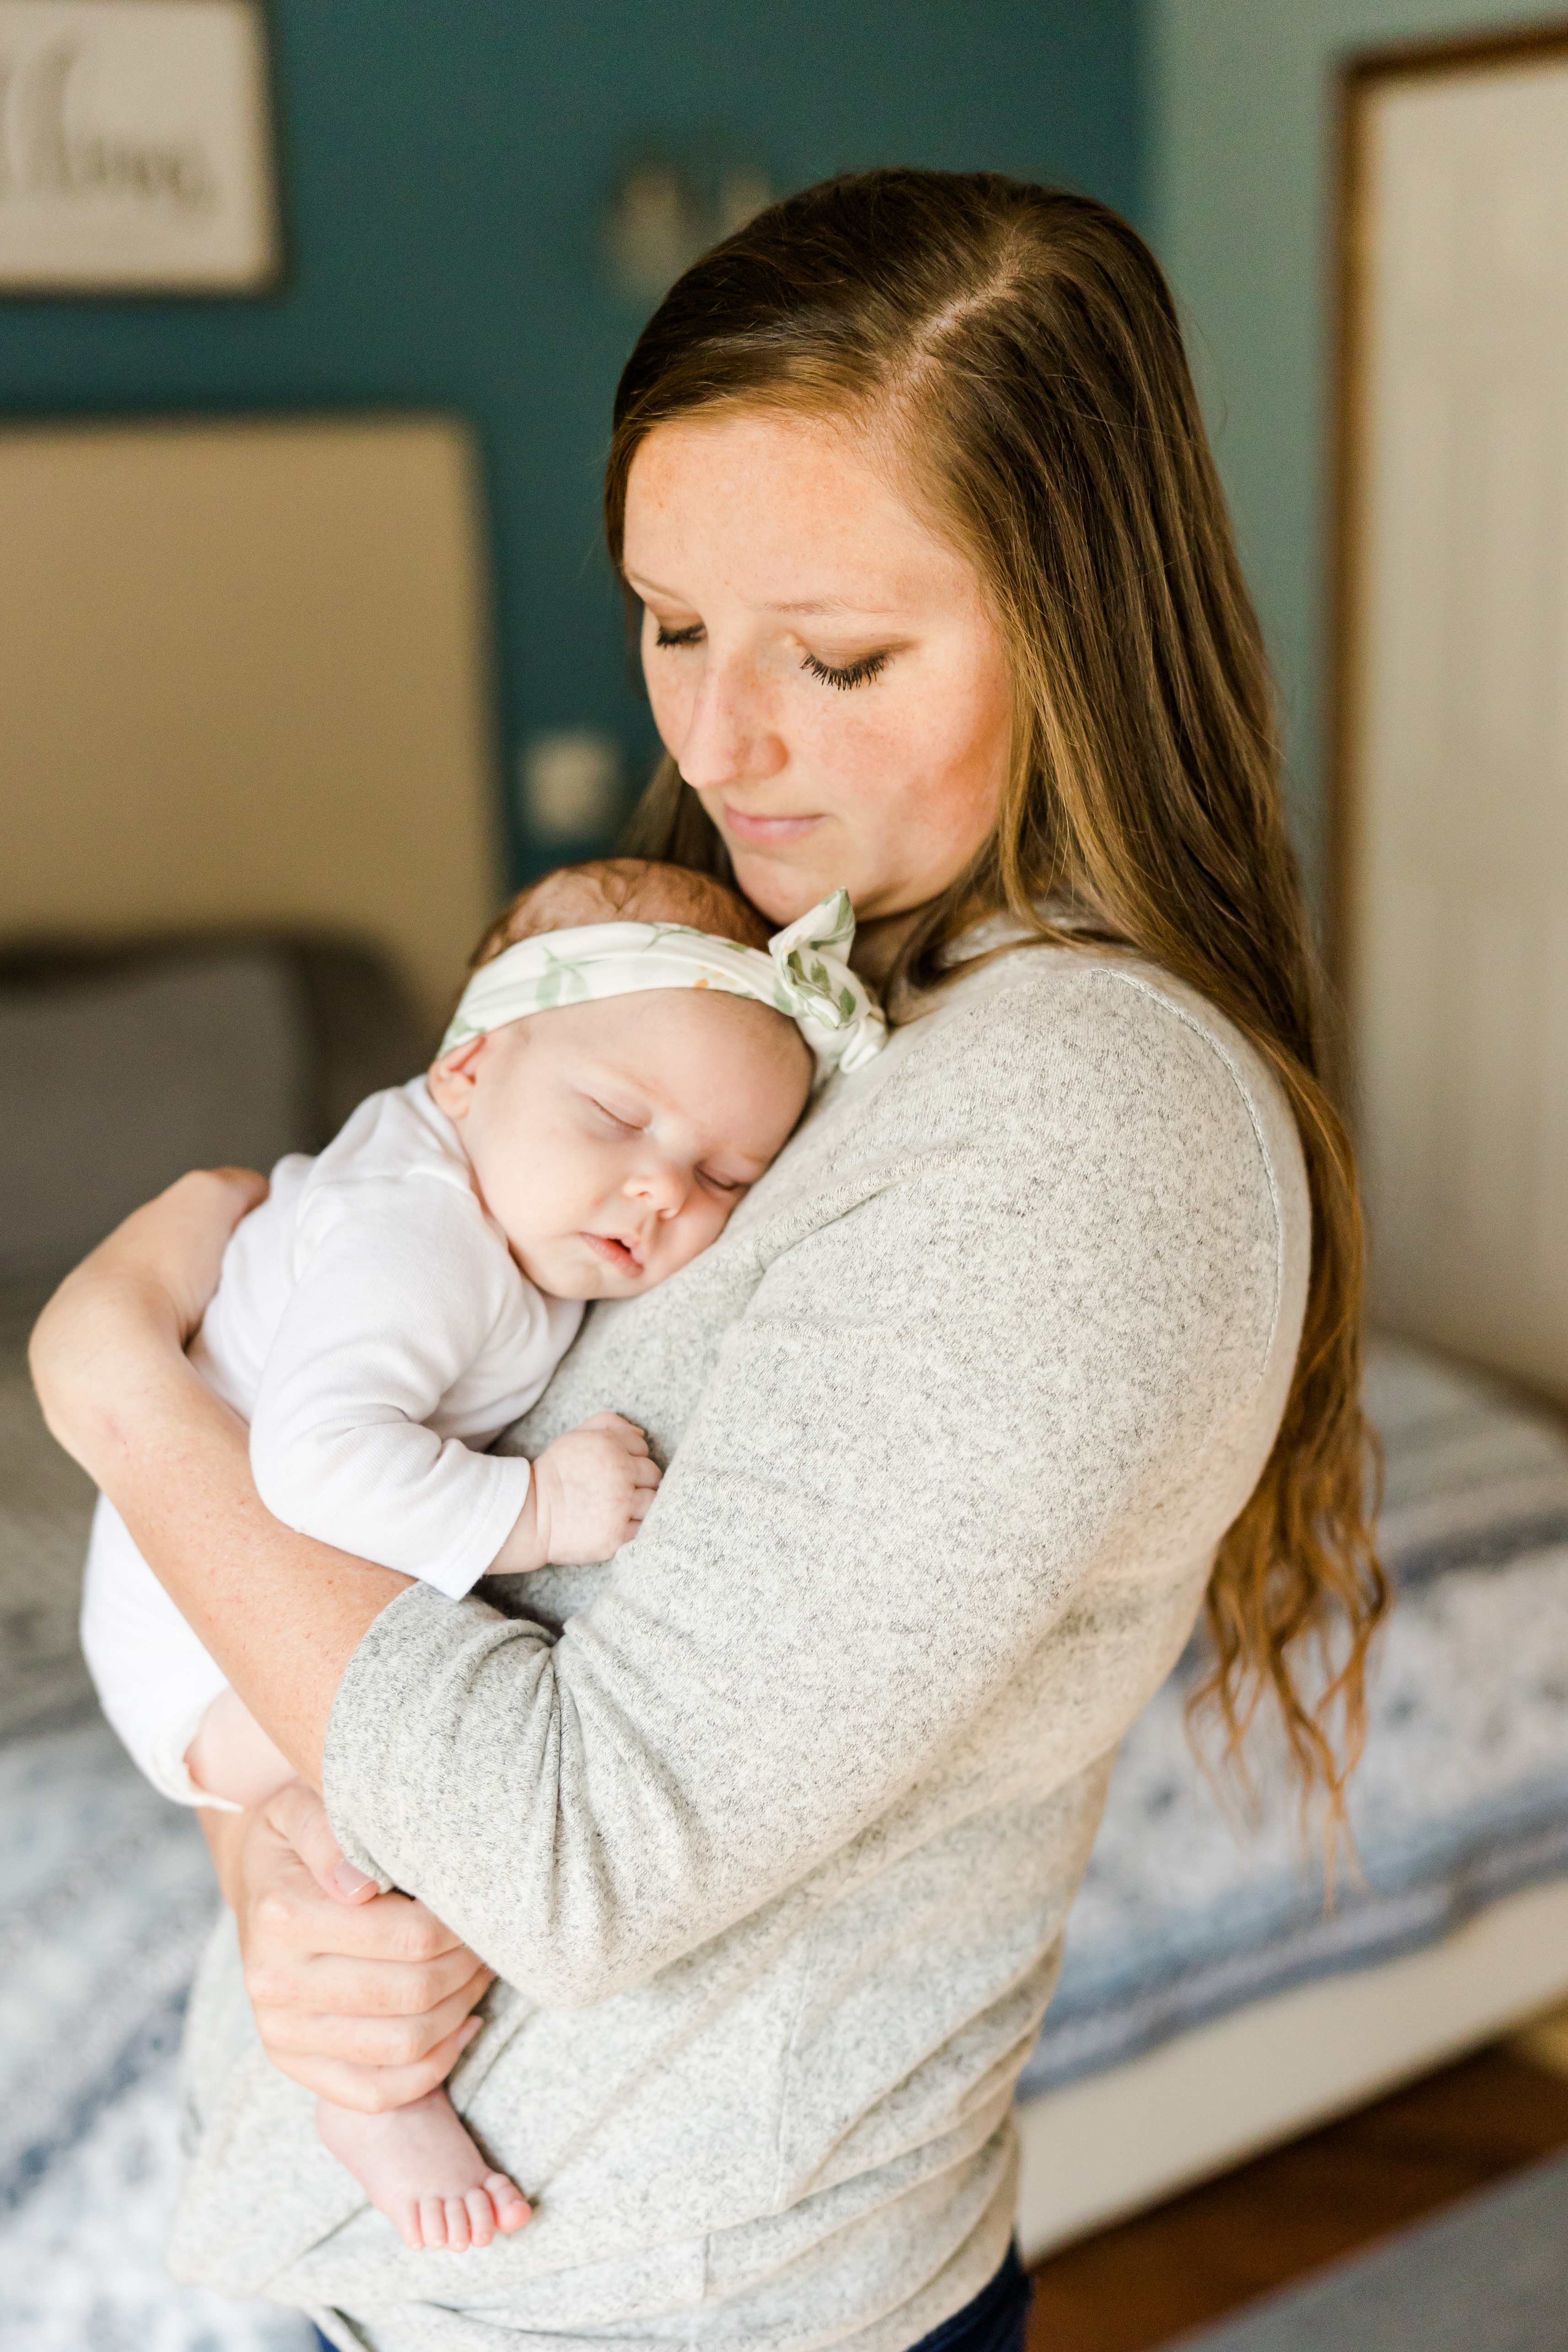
[1018, 348]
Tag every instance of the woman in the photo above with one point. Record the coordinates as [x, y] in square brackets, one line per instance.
[1038, 1331]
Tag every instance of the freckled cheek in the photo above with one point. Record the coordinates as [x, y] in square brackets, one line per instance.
[670, 705]
[858, 758]
[906, 779]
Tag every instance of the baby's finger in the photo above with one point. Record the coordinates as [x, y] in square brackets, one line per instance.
[645, 1472]
[616, 1422]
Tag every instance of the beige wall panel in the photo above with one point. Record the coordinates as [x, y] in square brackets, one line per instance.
[244, 679]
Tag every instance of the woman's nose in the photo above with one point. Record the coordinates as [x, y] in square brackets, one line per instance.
[729, 736]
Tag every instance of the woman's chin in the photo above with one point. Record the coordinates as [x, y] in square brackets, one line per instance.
[779, 892]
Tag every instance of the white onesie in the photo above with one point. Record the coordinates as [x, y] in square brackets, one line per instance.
[372, 1327]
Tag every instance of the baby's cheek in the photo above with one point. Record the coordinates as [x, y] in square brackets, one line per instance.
[698, 1229]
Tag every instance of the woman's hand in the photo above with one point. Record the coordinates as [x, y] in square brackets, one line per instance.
[149, 1281]
[363, 1998]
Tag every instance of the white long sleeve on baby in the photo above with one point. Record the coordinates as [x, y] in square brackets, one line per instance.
[373, 1330]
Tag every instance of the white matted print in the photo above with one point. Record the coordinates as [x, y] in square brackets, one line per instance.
[135, 147]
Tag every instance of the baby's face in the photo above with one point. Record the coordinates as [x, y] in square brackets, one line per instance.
[611, 1140]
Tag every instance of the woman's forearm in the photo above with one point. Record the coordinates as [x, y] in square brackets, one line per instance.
[281, 1614]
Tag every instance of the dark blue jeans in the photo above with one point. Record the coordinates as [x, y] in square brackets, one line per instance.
[993, 2322]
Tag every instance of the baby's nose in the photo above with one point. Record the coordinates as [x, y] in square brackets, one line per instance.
[662, 1186]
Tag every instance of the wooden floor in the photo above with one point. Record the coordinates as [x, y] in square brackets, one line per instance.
[1270, 2222]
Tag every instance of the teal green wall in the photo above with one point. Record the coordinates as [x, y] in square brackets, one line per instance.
[1240, 108]
[446, 162]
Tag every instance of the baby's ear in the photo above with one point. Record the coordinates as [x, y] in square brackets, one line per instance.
[452, 1079]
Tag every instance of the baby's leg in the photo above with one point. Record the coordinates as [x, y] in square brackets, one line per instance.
[417, 2165]
[231, 1756]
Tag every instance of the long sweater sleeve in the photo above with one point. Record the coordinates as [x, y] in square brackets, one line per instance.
[1018, 1320]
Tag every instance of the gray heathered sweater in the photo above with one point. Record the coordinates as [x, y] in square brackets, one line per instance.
[772, 1828]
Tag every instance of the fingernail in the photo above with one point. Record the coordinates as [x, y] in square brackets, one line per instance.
[466, 2033]
[350, 1880]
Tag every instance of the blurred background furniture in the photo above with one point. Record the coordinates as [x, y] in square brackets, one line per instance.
[245, 681]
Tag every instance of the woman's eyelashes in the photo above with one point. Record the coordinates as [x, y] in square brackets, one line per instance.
[843, 676]
[859, 673]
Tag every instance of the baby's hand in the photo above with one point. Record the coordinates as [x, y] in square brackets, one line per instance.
[589, 1494]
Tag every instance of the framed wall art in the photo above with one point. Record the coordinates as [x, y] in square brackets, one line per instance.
[136, 147]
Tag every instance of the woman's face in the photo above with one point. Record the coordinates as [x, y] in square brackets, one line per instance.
[823, 668]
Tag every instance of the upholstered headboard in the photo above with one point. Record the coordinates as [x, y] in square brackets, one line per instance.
[244, 685]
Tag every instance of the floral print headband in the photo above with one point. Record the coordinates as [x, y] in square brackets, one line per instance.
[804, 973]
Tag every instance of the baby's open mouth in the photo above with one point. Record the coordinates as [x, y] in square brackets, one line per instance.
[614, 1253]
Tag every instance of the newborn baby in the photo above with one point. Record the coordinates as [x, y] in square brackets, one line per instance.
[624, 1064]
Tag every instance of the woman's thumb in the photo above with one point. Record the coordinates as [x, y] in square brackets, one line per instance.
[298, 1815]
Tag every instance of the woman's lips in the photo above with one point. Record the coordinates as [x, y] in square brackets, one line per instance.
[766, 832]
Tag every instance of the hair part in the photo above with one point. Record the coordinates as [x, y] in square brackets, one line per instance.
[1021, 348]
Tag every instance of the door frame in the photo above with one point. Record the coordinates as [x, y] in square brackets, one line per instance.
[1361, 76]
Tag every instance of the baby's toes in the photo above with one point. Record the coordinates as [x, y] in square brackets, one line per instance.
[512, 2207]
[433, 2221]
[457, 2225]
[481, 2216]
[405, 2219]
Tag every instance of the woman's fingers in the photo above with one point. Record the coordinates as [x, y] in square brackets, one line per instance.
[374, 2089]
[298, 1815]
[366, 2002]
[248, 1185]
[178, 1239]
[399, 2037]
[285, 1912]
[155, 1272]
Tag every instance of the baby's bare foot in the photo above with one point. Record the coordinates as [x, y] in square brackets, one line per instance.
[417, 2165]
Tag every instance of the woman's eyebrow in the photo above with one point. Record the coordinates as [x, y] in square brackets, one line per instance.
[650, 587]
[817, 606]
[834, 604]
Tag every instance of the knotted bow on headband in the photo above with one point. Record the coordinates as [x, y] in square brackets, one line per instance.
[804, 973]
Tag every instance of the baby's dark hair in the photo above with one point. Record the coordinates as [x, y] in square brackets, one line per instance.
[623, 890]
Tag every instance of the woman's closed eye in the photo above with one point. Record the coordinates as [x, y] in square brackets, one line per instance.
[845, 676]
[856, 673]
